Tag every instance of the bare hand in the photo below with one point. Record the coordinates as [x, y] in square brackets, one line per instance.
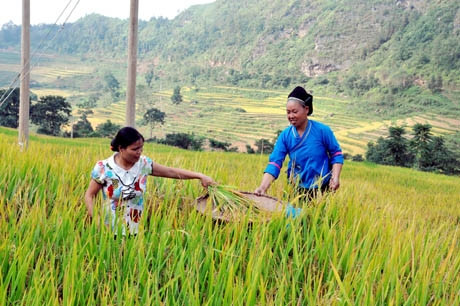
[260, 191]
[334, 183]
[207, 181]
[90, 220]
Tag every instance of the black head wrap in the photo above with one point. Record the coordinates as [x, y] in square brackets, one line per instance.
[300, 95]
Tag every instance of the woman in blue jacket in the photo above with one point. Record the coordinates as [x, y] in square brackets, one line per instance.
[315, 156]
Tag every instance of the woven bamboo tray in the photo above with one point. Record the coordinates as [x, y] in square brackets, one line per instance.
[263, 202]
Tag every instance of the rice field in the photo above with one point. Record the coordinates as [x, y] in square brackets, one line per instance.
[46, 74]
[242, 116]
[227, 114]
[40, 92]
[389, 236]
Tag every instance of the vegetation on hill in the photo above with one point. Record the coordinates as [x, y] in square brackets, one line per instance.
[423, 151]
[369, 64]
[392, 54]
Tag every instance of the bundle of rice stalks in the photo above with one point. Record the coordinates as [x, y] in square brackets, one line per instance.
[232, 204]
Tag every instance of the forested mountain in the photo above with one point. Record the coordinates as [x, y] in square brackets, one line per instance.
[381, 50]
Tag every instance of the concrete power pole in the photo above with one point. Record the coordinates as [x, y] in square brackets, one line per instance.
[132, 64]
[24, 104]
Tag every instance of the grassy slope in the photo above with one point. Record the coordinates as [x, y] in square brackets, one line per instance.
[389, 236]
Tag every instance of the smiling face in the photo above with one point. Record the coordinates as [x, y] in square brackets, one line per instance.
[296, 113]
[132, 153]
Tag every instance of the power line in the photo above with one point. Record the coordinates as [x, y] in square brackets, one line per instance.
[10, 87]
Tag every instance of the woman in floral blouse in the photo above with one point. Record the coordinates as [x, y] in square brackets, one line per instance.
[123, 179]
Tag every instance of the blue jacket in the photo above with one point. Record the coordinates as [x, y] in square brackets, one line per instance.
[310, 157]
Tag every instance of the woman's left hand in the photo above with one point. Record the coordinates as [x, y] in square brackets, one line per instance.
[334, 183]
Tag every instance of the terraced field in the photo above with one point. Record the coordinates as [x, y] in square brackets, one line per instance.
[242, 116]
[237, 115]
[44, 69]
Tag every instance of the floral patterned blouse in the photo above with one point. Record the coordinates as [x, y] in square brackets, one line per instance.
[123, 190]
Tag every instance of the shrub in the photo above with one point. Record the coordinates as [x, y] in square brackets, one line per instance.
[184, 141]
[249, 149]
[216, 144]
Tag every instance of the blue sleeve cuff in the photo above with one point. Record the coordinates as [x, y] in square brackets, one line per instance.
[273, 170]
[338, 159]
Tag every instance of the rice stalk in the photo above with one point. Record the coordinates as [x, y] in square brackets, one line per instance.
[232, 204]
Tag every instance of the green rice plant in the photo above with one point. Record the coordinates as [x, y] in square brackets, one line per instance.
[232, 204]
[388, 236]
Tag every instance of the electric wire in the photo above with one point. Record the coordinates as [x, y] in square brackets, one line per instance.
[10, 87]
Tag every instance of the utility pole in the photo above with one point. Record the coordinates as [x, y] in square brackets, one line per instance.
[132, 64]
[72, 120]
[24, 103]
[160, 90]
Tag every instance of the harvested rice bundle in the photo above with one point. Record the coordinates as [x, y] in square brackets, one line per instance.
[232, 204]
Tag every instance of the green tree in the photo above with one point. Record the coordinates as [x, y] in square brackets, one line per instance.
[152, 117]
[216, 144]
[428, 153]
[89, 102]
[112, 85]
[143, 98]
[249, 149]
[442, 159]
[264, 146]
[83, 127]
[398, 152]
[9, 110]
[184, 141]
[176, 98]
[107, 129]
[149, 77]
[422, 133]
[435, 84]
[376, 152]
[420, 144]
[50, 113]
[394, 150]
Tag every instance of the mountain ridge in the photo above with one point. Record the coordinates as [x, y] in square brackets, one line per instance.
[389, 55]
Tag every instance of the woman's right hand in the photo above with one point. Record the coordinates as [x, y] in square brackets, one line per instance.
[267, 179]
[260, 191]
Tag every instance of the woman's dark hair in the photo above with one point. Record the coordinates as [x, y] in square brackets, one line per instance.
[125, 137]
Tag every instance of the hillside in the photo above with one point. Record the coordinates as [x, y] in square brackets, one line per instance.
[388, 60]
[280, 38]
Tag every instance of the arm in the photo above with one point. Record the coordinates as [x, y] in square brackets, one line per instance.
[90, 194]
[334, 182]
[336, 159]
[273, 168]
[267, 180]
[182, 174]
